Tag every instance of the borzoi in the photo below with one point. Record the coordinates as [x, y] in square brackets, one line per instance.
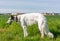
[31, 18]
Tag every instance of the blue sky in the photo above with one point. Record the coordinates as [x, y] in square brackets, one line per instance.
[7, 6]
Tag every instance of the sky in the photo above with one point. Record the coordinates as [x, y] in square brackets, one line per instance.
[11, 6]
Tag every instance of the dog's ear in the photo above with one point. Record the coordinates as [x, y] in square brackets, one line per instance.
[12, 17]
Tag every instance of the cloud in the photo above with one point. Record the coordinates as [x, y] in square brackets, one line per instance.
[25, 11]
[24, 4]
[29, 5]
[18, 10]
[14, 10]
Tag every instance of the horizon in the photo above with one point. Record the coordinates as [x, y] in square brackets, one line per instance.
[29, 6]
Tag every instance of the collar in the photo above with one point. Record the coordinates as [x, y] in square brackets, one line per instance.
[16, 18]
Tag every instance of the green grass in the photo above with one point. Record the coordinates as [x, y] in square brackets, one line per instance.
[14, 32]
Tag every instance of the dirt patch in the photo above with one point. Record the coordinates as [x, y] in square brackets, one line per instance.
[2, 30]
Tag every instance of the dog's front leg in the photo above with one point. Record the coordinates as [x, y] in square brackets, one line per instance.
[24, 28]
[25, 31]
[41, 28]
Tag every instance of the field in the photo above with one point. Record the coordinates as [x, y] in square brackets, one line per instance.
[14, 32]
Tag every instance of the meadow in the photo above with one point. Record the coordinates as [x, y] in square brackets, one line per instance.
[14, 32]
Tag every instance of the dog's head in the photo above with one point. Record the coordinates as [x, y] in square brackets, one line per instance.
[12, 18]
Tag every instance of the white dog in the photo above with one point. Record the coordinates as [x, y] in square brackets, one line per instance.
[31, 18]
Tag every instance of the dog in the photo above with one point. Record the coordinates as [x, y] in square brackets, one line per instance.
[32, 18]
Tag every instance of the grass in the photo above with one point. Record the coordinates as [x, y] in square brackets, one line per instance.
[14, 32]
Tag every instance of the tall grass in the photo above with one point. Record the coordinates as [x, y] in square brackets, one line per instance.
[14, 32]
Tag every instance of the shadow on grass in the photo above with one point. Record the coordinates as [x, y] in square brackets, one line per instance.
[56, 32]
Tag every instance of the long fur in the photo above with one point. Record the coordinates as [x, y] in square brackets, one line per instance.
[31, 18]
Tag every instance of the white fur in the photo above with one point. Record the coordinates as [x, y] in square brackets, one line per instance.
[31, 18]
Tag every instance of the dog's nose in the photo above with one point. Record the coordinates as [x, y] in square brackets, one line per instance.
[9, 21]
